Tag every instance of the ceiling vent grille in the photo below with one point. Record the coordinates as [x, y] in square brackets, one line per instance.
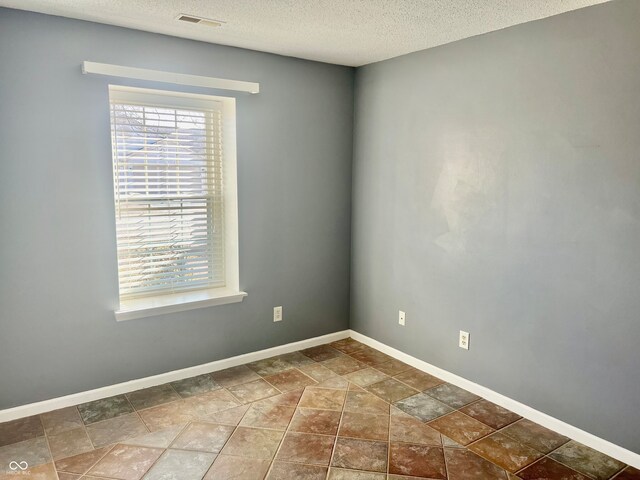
[200, 20]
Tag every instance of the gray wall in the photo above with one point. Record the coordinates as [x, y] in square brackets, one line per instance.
[497, 191]
[58, 281]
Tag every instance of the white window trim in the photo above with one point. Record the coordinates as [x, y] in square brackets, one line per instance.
[176, 302]
[130, 309]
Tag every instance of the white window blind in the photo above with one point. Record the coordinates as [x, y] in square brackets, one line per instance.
[168, 182]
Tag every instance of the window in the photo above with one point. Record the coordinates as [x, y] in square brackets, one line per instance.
[175, 197]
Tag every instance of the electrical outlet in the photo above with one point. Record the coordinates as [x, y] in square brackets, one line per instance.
[401, 316]
[277, 314]
[464, 340]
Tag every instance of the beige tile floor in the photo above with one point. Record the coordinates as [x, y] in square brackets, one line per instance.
[341, 411]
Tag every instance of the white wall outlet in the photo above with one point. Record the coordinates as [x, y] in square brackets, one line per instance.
[277, 314]
[464, 340]
[401, 316]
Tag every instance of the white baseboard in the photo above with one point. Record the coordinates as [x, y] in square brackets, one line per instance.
[597, 443]
[132, 385]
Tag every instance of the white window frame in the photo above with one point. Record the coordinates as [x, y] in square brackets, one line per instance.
[175, 302]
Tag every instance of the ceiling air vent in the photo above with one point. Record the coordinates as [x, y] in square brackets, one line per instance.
[199, 20]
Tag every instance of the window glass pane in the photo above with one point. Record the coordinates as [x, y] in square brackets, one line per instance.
[168, 192]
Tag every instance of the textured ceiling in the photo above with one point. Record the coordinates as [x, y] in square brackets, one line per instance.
[346, 32]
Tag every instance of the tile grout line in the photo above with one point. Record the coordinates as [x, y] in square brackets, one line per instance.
[284, 434]
[444, 458]
[46, 439]
[235, 428]
[335, 442]
[389, 442]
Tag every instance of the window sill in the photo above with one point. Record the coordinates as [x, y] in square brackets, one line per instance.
[178, 302]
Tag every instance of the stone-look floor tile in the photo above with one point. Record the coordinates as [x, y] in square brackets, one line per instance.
[364, 425]
[465, 465]
[153, 396]
[227, 467]
[207, 404]
[423, 406]
[253, 443]
[356, 388]
[235, 376]
[61, 420]
[20, 430]
[490, 414]
[365, 402]
[393, 367]
[231, 416]
[69, 443]
[629, 473]
[338, 383]
[587, 460]
[410, 430]
[104, 409]
[289, 399]
[344, 474]
[547, 468]
[417, 461]
[460, 428]
[296, 359]
[343, 365]
[34, 451]
[401, 477]
[505, 452]
[195, 385]
[447, 442]
[203, 437]
[366, 376]
[452, 395]
[323, 398]
[354, 454]
[535, 436]
[395, 411]
[294, 471]
[369, 356]
[418, 380]
[318, 372]
[306, 448]
[166, 416]
[321, 353]
[391, 390]
[158, 439]
[126, 462]
[67, 476]
[290, 380]
[80, 464]
[267, 415]
[308, 420]
[269, 366]
[45, 471]
[115, 430]
[252, 391]
[181, 465]
[347, 345]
